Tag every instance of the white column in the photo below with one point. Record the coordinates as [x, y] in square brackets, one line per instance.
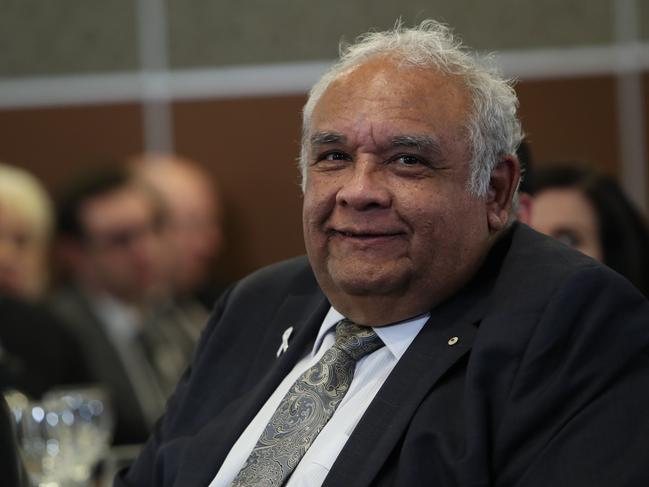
[156, 95]
[630, 103]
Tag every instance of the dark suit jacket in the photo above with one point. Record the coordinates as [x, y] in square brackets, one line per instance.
[547, 385]
[36, 351]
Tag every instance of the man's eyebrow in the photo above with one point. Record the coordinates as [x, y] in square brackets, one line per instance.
[323, 138]
[423, 143]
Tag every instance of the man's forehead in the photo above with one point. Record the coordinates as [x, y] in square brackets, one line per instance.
[393, 73]
[123, 202]
[403, 91]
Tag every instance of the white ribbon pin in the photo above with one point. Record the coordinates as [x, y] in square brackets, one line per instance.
[285, 336]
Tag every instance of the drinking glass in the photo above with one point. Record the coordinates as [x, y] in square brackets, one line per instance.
[86, 432]
[62, 437]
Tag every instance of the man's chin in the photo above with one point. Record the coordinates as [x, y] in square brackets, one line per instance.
[366, 282]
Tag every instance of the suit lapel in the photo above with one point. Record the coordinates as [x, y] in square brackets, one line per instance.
[304, 313]
[445, 339]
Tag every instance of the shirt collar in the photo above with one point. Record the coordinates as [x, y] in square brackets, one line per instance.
[397, 337]
[118, 318]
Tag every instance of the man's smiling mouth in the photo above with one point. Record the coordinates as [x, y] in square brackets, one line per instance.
[366, 235]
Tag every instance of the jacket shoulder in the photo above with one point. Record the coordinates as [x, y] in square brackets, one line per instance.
[261, 292]
[536, 266]
[292, 276]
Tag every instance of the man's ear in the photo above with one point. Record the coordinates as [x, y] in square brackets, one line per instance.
[502, 187]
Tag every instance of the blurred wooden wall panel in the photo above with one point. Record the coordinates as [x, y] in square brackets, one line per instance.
[55, 142]
[572, 119]
[251, 145]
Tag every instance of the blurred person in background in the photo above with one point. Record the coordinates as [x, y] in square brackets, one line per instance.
[109, 243]
[36, 351]
[194, 230]
[590, 212]
[25, 232]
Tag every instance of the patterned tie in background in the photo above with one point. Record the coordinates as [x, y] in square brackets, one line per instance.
[306, 408]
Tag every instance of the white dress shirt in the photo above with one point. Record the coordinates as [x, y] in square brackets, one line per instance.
[370, 373]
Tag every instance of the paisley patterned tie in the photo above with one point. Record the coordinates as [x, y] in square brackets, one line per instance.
[306, 408]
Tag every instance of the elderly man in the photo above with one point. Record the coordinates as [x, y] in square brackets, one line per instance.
[425, 340]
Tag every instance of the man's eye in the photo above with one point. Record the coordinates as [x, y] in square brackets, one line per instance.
[331, 160]
[408, 160]
[334, 156]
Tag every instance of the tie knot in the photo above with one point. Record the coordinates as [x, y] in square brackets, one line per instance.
[357, 341]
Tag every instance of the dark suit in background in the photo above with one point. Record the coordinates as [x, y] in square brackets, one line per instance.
[36, 350]
[548, 383]
[106, 366]
[138, 373]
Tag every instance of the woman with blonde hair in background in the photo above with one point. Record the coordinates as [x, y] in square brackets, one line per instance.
[36, 350]
[25, 231]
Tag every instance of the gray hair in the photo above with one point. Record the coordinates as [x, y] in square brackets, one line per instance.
[493, 129]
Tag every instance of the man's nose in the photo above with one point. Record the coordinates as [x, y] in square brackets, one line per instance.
[143, 246]
[364, 187]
